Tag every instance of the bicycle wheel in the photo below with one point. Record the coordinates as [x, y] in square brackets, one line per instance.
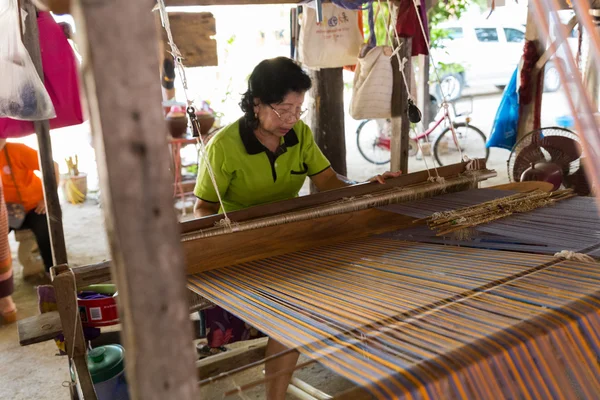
[371, 143]
[470, 139]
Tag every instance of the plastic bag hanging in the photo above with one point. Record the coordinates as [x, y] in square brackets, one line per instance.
[22, 93]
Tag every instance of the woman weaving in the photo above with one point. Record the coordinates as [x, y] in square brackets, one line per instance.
[264, 157]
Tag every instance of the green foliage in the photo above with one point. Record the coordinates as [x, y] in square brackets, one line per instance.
[440, 12]
[380, 22]
[449, 68]
[443, 11]
[192, 169]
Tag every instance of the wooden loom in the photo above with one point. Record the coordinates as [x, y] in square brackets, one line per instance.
[280, 243]
[144, 242]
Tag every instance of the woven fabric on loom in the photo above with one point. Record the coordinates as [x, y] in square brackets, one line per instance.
[413, 320]
[572, 224]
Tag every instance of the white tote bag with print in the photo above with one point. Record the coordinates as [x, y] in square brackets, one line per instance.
[333, 43]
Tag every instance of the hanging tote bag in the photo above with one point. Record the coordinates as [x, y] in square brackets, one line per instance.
[60, 80]
[22, 94]
[373, 81]
[333, 43]
[373, 85]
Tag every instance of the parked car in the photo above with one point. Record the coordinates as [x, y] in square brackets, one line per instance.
[487, 53]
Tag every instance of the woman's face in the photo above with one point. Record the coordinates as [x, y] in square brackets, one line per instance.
[277, 119]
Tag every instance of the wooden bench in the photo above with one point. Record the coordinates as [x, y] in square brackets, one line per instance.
[28, 253]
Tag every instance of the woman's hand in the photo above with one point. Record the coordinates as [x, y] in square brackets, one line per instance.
[204, 208]
[41, 207]
[386, 175]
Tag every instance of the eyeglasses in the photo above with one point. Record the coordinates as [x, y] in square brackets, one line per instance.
[288, 116]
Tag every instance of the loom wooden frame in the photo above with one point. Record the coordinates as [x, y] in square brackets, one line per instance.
[130, 143]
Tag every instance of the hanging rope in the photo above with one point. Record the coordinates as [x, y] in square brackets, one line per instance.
[401, 62]
[178, 60]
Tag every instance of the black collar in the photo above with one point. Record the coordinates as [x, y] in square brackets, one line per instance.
[254, 146]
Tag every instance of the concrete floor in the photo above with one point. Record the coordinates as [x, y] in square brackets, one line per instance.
[36, 372]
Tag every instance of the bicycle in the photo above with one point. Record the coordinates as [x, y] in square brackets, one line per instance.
[375, 135]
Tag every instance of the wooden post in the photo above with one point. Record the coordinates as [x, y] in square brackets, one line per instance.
[327, 116]
[42, 129]
[591, 76]
[423, 90]
[130, 139]
[527, 109]
[400, 122]
[63, 281]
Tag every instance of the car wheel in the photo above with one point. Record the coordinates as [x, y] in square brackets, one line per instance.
[451, 87]
[551, 78]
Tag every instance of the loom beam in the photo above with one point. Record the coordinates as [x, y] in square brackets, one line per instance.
[302, 229]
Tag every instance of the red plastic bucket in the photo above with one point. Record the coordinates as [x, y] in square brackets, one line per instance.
[99, 312]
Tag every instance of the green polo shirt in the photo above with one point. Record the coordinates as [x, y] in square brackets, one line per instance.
[248, 174]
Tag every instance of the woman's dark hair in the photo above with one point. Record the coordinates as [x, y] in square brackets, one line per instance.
[270, 82]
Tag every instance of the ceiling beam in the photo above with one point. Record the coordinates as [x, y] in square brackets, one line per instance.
[180, 3]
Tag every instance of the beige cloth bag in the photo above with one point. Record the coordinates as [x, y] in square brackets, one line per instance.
[333, 43]
[373, 85]
[373, 80]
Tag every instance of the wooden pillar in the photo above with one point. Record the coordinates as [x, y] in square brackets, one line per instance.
[527, 109]
[42, 129]
[63, 281]
[591, 74]
[327, 116]
[130, 139]
[423, 90]
[400, 122]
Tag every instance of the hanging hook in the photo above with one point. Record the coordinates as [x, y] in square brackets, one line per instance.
[191, 112]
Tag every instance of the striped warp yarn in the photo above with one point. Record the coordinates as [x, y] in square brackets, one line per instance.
[572, 224]
[413, 320]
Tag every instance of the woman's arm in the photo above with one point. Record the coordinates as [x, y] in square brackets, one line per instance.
[329, 179]
[204, 208]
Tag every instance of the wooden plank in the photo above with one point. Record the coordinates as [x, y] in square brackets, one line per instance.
[56, 6]
[92, 274]
[252, 351]
[192, 33]
[327, 116]
[123, 94]
[180, 3]
[42, 129]
[84, 381]
[321, 198]
[39, 328]
[356, 393]
[215, 252]
[524, 186]
[66, 299]
[400, 123]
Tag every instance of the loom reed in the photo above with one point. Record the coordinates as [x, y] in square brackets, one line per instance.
[408, 193]
[571, 224]
[464, 218]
